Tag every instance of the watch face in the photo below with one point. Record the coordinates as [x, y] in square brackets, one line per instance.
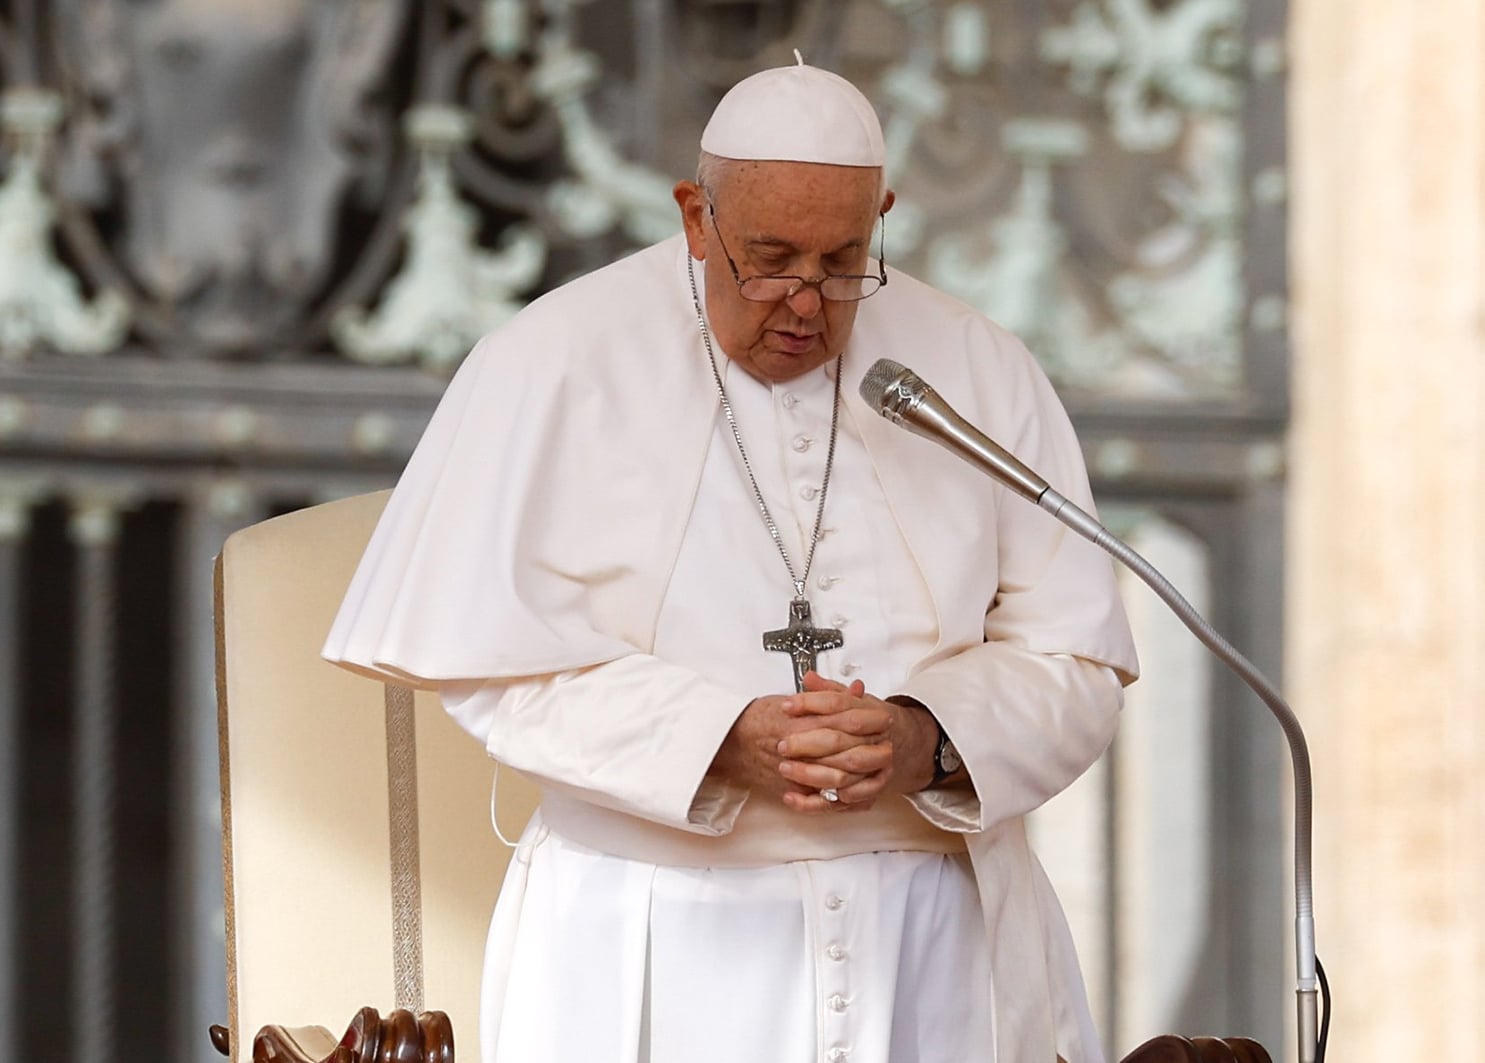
[949, 759]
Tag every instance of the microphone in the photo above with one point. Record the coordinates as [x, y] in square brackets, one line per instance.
[901, 396]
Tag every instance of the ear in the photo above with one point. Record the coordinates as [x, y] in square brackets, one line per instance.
[692, 201]
[887, 201]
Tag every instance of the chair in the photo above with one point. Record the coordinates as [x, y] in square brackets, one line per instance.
[359, 861]
[1171, 1049]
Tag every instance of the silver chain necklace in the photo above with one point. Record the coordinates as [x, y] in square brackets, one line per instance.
[800, 639]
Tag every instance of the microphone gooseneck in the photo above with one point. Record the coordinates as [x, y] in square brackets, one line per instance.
[901, 396]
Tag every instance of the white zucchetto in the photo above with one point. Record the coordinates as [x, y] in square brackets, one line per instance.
[796, 114]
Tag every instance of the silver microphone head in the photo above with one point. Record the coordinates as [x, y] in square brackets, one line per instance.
[892, 390]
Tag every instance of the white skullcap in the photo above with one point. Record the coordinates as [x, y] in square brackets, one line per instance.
[796, 114]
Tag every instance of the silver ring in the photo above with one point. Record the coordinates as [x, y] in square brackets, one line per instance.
[830, 794]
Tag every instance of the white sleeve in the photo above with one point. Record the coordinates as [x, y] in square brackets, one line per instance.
[636, 735]
[1027, 724]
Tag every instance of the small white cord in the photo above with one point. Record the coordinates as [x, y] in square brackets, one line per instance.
[515, 846]
[495, 810]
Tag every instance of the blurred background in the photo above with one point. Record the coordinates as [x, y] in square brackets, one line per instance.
[243, 243]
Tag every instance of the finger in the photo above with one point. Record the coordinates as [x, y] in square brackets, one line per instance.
[812, 803]
[865, 791]
[814, 681]
[860, 760]
[857, 719]
[822, 742]
[841, 713]
[856, 798]
[835, 698]
[825, 696]
[817, 744]
[814, 776]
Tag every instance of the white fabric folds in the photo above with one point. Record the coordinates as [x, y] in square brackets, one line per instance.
[852, 960]
[500, 555]
[538, 525]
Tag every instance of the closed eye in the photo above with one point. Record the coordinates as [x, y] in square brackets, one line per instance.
[767, 259]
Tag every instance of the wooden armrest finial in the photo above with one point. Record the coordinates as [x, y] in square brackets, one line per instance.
[399, 1038]
[1171, 1049]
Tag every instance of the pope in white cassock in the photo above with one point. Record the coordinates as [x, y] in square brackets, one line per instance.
[790, 677]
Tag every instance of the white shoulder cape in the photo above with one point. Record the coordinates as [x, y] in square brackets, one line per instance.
[536, 524]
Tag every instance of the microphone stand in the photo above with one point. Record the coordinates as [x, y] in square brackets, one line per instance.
[1304, 911]
[910, 403]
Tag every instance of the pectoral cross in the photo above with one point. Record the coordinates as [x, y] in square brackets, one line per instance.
[801, 640]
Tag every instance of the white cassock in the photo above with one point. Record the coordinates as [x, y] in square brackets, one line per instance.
[654, 914]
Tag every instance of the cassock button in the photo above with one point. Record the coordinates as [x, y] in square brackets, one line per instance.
[826, 582]
[838, 1054]
[850, 668]
[808, 493]
[839, 620]
[835, 902]
[802, 443]
[836, 953]
[838, 1003]
[791, 400]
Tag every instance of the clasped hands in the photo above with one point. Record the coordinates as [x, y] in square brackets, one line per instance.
[830, 736]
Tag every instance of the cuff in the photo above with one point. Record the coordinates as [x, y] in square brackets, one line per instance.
[955, 809]
[716, 806]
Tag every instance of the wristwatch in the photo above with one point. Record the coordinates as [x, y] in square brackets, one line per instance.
[946, 759]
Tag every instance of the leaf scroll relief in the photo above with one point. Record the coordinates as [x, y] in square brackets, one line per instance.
[384, 180]
[209, 150]
[1098, 211]
[41, 303]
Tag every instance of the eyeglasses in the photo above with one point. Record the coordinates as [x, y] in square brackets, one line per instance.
[838, 288]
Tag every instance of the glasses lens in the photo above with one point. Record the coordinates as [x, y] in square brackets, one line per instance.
[768, 289]
[848, 289]
[836, 289]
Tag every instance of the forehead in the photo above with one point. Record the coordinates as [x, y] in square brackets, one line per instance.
[758, 197]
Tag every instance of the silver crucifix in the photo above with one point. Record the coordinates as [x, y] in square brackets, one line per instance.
[801, 640]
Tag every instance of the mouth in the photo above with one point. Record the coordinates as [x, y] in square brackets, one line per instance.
[796, 343]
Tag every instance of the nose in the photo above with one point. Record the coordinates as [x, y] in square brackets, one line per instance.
[805, 300]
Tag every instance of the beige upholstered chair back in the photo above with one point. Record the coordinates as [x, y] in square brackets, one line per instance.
[360, 863]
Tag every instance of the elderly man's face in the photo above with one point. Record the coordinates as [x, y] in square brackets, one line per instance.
[797, 218]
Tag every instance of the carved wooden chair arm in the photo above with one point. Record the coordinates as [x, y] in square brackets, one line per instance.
[1171, 1049]
[399, 1038]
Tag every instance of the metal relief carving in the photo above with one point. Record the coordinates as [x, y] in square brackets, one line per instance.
[606, 190]
[999, 122]
[1154, 66]
[448, 292]
[40, 301]
[1183, 295]
[388, 180]
[1074, 170]
[220, 140]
